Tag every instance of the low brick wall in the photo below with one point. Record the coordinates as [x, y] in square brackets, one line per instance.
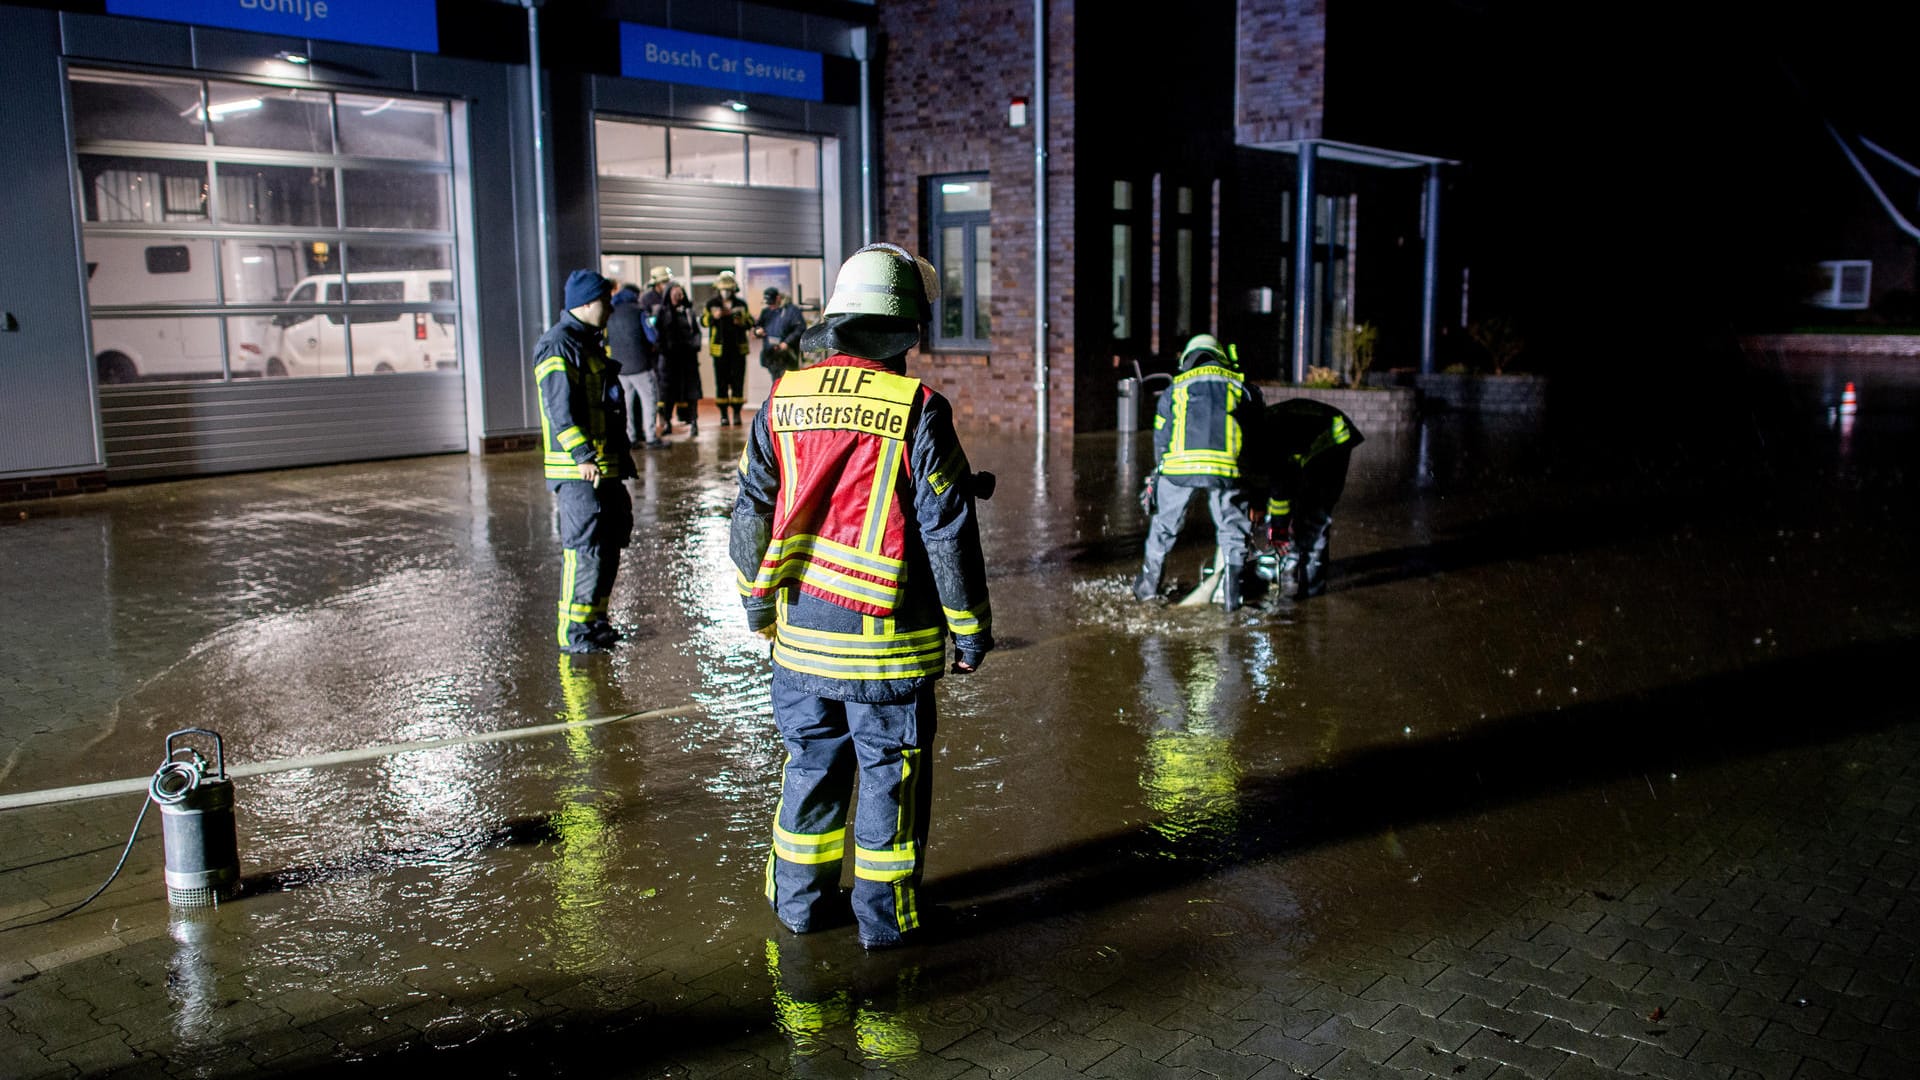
[1832, 344]
[1443, 392]
[1386, 409]
[47, 487]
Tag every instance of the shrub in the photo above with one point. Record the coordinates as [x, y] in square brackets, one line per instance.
[1320, 378]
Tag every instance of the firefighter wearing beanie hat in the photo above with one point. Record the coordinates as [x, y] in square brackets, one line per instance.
[858, 555]
[583, 427]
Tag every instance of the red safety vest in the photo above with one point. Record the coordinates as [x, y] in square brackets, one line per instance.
[840, 440]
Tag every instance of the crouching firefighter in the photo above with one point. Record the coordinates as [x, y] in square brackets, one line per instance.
[583, 427]
[1308, 445]
[858, 553]
[1199, 433]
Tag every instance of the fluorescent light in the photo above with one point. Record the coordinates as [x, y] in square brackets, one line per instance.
[955, 189]
[735, 104]
[243, 105]
[292, 57]
[252, 260]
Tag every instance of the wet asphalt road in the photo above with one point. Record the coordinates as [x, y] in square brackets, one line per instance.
[1557, 659]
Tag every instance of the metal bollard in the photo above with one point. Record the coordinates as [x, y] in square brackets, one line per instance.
[196, 812]
[1129, 405]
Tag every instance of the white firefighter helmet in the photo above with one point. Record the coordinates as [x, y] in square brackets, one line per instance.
[885, 279]
[1209, 348]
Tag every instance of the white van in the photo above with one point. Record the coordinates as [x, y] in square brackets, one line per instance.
[316, 344]
[134, 271]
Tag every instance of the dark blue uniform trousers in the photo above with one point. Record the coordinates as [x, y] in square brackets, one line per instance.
[596, 521]
[830, 744]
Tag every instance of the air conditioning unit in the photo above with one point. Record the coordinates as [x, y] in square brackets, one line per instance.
[1842, 284]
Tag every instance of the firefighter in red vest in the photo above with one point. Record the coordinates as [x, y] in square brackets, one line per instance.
[858, 554]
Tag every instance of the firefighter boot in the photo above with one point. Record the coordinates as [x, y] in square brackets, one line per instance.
[1232, 586]
[1310, 578]
[1146, 585]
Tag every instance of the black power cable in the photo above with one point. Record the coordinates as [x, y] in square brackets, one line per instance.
[171, 783]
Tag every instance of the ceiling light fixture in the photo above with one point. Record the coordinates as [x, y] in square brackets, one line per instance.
[292, 57]
[735, 104]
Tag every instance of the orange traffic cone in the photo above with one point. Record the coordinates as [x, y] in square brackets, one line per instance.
[1849, 401]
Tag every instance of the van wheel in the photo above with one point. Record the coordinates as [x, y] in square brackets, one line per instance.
[117, 368]
[275, 368]
[383, 368]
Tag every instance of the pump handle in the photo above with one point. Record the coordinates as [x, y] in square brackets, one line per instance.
[219, 748]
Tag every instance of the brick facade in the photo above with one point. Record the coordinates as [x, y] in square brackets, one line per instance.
[938, 116]
[1282, 71]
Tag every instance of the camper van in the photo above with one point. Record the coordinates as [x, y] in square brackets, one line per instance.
[315, 343]
[136, 271]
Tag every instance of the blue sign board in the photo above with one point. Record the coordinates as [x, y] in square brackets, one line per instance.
[393, 24]
[675, 56]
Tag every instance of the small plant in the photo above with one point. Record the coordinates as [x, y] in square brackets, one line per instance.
[1500, 337]
[1321, 378]
[1454, 369]
[1361, 343]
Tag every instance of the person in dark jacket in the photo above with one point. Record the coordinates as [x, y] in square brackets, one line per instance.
[678, 337]
[1199, 433]
[583, 427]
[779, 327]
[729, 322]
[628, 346]
[1306, 447]
[658, 280]
[858, 554]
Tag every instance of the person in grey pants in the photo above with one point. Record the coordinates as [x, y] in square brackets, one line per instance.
[627, 344]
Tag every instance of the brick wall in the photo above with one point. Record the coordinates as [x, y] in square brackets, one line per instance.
[46, 487]
[944, 110]
[1282, 70]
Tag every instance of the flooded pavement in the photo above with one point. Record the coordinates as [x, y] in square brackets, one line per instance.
[1598, 758]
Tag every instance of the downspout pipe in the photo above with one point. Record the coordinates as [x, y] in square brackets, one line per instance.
[1303, 260]
[542, 226]
[863, 52]
[1040, 403]
[1430, 269]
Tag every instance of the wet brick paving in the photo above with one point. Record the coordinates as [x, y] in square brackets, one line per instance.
[1240, 848]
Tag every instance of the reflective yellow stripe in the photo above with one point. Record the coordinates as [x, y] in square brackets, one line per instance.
[880, 498]
[789, 471]
[744, 452]
[902, 665]
[884, 865]
[967, 622]
[810, 849]
[1159, 421]
[945, 473]
[548, 366]
[1279, 507]
[741, 582]
[845, 644]
[871, 562]
[569, 566]
[571, 437]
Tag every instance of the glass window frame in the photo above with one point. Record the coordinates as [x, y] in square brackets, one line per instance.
[970, 224]
[304, 243]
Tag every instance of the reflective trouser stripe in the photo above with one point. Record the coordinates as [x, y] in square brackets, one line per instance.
[569, 611]
[1279, 507]
[884, 865]
[809, 849]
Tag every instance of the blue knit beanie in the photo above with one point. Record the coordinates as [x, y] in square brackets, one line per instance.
[584, 287]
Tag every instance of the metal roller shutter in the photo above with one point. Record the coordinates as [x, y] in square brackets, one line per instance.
[677, 217]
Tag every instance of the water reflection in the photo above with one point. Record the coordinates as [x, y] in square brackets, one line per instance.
[816, 1001]
[577, 935]
[1195, 691]
[192, 986]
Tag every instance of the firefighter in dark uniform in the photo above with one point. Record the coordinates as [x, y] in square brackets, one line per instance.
[730, 329]
[583, 427]
[1308, 445]
[858, 554]
[1199, 434]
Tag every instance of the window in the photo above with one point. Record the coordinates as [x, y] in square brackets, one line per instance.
[716, 156]
[961, 249]
[1842, 285]
[233, 228]
[1122, 275]
[792, 163]
[622, 149]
